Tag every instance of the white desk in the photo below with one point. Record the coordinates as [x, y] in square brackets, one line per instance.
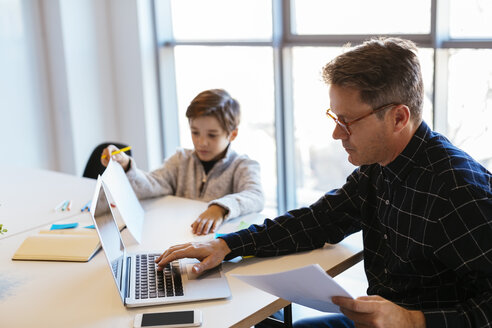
[28, 197]
[67, 294]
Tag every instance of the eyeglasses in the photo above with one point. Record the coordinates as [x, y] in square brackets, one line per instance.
[345, 125]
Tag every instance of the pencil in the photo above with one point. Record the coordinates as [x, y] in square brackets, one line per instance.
[86, 207]
[118, 151]
[59, 206]
[65, 205]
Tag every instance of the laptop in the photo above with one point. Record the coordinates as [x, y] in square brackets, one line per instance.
[135, 275]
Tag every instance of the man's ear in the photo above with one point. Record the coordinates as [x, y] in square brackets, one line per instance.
[401, 117]
[233, 134]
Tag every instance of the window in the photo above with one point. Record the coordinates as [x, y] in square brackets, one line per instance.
[321, 164]
[470, 104]
[361, 17]
[221, 20]
[269, 55]
[470, 19]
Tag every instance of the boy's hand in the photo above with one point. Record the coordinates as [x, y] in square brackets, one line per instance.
[122, 158]
[209, 220]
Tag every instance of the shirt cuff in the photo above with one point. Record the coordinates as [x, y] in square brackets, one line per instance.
[240, 243]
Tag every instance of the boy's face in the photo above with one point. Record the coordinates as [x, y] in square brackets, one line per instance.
[209, 138]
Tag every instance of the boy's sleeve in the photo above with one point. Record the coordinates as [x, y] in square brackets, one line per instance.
[248, 194]
[159, 182]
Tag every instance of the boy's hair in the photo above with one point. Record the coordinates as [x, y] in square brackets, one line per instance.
[217, 103]
[384, 70]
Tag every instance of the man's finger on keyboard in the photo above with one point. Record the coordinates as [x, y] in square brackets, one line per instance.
[170, 250]
[175, 254]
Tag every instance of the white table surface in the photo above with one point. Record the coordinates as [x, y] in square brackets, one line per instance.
[69, 294]
[28, 197]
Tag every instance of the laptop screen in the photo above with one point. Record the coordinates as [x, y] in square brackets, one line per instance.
[109, 235]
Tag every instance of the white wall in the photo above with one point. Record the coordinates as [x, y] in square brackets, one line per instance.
[74, 74]
[135, 79]
[25, 125]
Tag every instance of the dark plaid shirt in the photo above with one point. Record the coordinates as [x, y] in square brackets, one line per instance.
[426, 220]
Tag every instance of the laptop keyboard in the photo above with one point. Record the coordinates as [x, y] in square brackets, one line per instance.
[151, 283]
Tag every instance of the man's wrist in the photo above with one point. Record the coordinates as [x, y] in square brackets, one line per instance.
[417, 319]
[223, 247]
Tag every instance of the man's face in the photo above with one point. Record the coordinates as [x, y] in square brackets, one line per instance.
[208, 137]
[370, 138]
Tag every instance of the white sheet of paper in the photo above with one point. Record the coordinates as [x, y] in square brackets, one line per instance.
[124, 197]
[310, 286]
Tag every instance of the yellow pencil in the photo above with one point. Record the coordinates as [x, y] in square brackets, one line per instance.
[118, 151]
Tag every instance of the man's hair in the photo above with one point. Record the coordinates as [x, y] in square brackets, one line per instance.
[384, 70]
[219, 104]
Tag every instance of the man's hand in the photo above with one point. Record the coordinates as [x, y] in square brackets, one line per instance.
[375, 311]
[121, 158]
[209, 220]
[210, 254]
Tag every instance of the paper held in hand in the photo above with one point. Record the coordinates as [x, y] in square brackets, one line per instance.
[310, 286]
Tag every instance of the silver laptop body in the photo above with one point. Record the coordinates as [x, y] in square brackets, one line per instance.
[128, 270]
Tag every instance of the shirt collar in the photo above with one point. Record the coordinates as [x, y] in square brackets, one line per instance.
[401, 166]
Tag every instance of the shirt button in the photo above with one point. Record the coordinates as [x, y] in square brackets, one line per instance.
[387, 202]
[385, 236]
[385, 271]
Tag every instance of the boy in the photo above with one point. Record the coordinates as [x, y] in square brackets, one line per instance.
[212, 172]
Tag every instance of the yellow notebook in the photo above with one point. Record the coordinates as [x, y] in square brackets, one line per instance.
[77, 245]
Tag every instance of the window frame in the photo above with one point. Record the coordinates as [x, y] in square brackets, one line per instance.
[282, 42]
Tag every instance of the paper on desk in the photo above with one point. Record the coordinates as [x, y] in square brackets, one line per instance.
[310, 286]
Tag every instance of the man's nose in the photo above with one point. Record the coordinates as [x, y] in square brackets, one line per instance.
[339, 133]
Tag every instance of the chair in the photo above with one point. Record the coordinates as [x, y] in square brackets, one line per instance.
[275, 320]
[94, 167]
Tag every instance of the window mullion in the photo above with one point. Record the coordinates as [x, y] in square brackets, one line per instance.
[284, 130]
[440, 34]
[167, 77]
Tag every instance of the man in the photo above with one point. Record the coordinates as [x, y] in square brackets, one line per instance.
[423, 205]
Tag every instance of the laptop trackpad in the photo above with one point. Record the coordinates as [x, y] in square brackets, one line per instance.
[212, 273]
